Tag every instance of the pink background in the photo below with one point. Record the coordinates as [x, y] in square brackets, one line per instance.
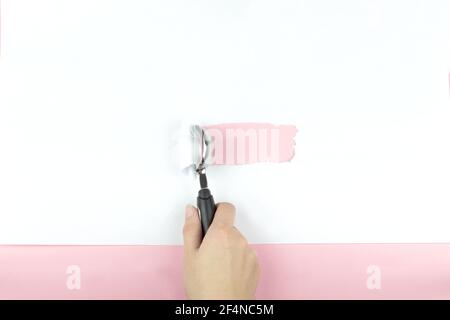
[408, 271]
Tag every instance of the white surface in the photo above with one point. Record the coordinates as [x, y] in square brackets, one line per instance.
[90, 92]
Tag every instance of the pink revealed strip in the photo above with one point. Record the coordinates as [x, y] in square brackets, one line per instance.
[406, 271]
[247, 143]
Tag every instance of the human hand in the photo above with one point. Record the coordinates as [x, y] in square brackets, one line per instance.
[223, 266]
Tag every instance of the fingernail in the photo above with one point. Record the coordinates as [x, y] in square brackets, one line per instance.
[189, 211]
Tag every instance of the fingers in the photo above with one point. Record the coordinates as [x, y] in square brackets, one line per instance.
[192, 231]
[225, 214]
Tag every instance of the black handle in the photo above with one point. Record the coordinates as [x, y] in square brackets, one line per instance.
[207, 208]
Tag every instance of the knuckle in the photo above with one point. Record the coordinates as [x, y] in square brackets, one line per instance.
[220, 228]
[221, 231]
[253, 260]
[242, 242]
[252, 255]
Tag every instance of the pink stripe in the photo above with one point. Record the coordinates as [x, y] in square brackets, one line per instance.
[408, 271]
[247, 143]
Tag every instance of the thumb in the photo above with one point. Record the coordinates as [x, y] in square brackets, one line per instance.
[192, 231]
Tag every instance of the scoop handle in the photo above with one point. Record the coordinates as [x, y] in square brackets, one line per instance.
[207, 208]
